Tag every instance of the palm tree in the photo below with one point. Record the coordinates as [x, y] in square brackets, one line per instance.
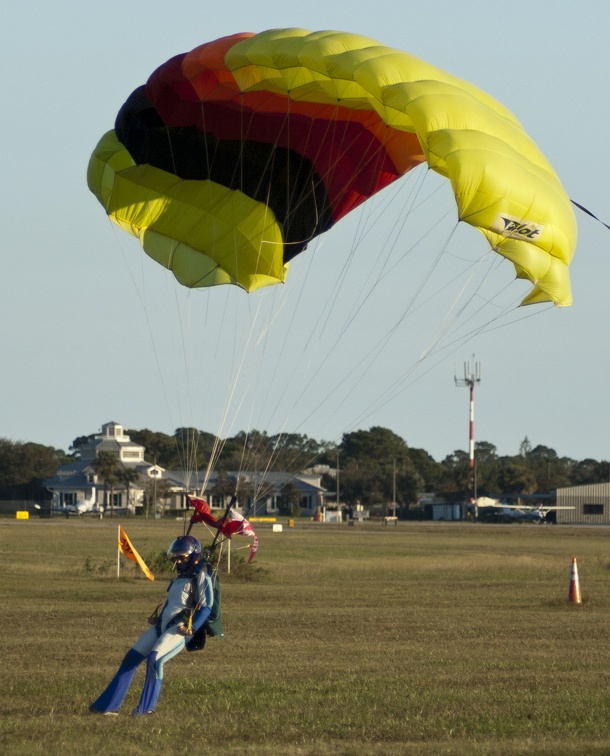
[127, 476]
[155, 490]
[106, 467]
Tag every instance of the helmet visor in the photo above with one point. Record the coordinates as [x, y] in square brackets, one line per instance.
[179, 558]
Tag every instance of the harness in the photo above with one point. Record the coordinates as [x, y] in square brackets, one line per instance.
[211, 627]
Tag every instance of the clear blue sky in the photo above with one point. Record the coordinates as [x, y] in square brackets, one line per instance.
[93, 332]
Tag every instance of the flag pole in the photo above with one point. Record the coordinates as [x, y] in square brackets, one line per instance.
[118, 554]
[223, 519]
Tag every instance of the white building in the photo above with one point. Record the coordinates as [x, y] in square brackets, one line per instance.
[76, 488]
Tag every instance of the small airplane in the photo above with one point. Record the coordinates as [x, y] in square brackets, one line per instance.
[494, 510]
[509, 514]
[82, 506]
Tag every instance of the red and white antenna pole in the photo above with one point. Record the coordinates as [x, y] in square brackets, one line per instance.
[471, 439]
[472, 376]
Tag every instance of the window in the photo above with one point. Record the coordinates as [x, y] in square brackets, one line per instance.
[593, 509]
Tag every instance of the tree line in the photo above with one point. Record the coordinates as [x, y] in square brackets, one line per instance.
[368, 466]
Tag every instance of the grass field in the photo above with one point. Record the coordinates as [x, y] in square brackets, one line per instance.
[425, 638]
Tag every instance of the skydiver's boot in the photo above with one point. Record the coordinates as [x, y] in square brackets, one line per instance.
[152, 687]
[112, 698]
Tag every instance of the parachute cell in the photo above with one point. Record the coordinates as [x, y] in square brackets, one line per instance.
[237, 154]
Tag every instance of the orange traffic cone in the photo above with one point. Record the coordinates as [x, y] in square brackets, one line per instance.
[574, 594]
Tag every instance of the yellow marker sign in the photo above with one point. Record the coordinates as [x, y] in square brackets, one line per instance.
[22, 515]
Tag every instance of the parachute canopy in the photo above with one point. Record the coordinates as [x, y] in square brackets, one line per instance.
[234, 156]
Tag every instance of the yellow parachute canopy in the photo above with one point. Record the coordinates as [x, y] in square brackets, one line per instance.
[235, 155]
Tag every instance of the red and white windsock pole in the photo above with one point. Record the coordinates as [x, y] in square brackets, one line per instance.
[471, 444]
[472, 376]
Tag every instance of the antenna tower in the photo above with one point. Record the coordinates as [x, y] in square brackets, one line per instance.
[472, 376]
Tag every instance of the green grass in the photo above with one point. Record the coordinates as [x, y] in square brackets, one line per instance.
[426, 638]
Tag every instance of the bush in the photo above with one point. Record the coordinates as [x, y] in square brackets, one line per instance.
[98, 569]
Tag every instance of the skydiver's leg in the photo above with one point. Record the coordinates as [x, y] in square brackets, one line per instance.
[112, 698]
[168, 645]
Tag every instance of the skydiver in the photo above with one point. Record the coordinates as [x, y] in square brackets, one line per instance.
[190, 597]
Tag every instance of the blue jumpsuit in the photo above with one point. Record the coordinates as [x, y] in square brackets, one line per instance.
[191, 590]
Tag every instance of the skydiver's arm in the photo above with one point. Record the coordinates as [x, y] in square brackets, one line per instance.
[205, 593]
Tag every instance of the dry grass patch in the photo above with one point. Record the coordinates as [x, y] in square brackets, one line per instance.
[424, 638]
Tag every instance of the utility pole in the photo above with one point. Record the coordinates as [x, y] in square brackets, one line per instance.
[156, 472]
[338, 487]
[394, 487]
[472, 376]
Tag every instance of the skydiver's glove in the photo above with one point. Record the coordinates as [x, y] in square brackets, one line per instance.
[154, 617]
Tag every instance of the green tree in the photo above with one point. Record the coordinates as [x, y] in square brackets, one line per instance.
[590, 471]
[194, 448]
[456, 480]
[293, 451]
[377, 465]
[426, 467]
[290, 500]
[525, 447]
[375, 444]
[24, 466]
[81, 441]
[156, 492]
[486, 461]
[515, 476]
[127, 476]
[549, 470]
[245, 451]
[409, 483]
[158, 446]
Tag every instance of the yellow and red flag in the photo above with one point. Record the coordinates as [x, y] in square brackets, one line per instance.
[128, 550]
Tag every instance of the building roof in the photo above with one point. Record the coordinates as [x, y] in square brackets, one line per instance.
[112, 439]
[273, 480]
